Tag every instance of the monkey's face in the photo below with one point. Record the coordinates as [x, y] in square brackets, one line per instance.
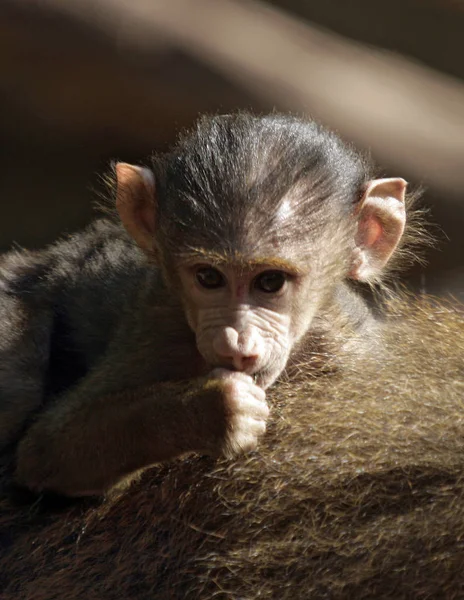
[244, 318]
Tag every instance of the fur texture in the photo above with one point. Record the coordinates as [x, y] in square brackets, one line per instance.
[356, 492]
[231, 180]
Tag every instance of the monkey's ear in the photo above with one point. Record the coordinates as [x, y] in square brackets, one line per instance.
[382, 217]
[135, 202]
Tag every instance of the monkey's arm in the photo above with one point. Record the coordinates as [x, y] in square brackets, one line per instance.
[85, 444]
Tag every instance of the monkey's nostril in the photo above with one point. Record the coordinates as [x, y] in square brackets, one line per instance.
[243, 363]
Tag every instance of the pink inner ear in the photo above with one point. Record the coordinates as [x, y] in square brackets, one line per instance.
[370, 230]
[135, 203]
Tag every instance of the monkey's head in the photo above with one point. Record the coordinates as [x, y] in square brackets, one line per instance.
[255, 221]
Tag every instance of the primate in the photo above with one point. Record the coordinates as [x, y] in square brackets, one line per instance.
[238, 286]
[242, 252]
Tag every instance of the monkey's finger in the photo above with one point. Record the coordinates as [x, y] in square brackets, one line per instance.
[221, 373]
[252, 407]
[239, 443]
[251, 390]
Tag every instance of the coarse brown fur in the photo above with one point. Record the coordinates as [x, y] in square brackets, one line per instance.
[356, 491]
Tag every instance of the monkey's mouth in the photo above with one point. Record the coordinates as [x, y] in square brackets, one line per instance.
[263, 373]
[261, 377]
[255, 375]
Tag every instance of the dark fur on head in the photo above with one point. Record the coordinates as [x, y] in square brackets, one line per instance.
[273, 159]
[230, 184]
[225, 189]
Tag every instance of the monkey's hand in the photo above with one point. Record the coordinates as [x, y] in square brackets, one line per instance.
[231, 413]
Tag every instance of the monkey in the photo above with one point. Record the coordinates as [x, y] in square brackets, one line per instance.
[238, 251]
[354, 488]
[355, 491]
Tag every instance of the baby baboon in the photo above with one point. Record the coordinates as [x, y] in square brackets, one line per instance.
[252, 234]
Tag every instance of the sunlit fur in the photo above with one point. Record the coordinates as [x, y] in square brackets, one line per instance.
[356, 491]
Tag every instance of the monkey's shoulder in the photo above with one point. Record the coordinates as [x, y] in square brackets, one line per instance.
[95, 260]
[84, 286]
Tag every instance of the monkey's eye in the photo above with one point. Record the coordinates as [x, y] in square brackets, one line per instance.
[270, 281]
[210, 278]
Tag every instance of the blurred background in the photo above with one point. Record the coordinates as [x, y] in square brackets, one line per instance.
[86, 81]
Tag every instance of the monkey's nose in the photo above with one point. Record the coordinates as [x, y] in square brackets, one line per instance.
[237, 349]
